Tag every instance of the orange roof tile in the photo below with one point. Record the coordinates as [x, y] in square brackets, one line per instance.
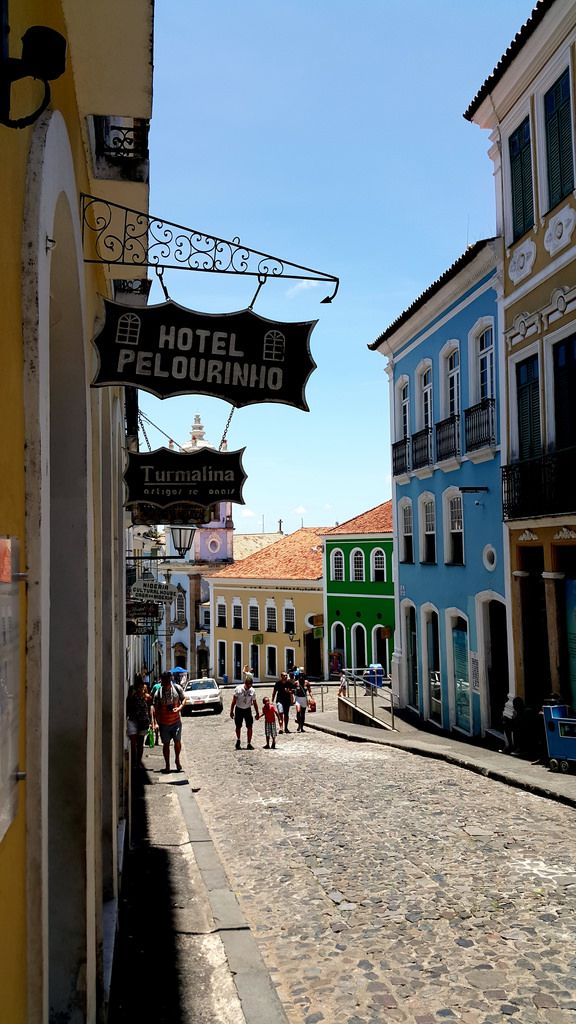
[375, 520]
[296, 557]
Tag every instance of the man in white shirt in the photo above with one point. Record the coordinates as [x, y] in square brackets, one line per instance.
[243, 701]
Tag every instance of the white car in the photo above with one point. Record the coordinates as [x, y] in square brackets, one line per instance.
[202, 695]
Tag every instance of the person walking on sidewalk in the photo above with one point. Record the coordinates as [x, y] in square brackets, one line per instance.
[243, 701]
[169, 700]
[301, 694]
[270, 713]
[282, 695]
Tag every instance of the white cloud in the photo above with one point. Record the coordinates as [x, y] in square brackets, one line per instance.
[247, 513]
[302, 286]
[299, 510]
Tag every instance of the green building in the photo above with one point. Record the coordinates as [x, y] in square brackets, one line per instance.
[359, 592]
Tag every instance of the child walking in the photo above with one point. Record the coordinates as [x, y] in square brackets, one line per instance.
[270, 713]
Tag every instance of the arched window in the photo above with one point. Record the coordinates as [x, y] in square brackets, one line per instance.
[378, 566]
[453, 528]
[427, 529]
[337, 566]
[181, 607]
[406, 531]
[357, 566]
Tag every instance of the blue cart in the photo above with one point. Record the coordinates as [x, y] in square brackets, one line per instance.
[560, 737]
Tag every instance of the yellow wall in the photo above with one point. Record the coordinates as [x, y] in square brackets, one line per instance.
[306, 603]
[14, 146]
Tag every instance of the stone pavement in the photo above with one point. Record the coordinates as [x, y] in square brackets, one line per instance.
[368, 884]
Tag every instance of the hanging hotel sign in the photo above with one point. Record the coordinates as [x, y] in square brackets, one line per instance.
[169, 350]
[165, 477]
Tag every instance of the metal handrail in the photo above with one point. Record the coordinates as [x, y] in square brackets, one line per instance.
[356, 677]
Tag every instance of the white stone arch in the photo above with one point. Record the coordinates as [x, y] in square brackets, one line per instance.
[450, 615]
[482, 601]
[333, 638]
[405, 607]
[426, 611]
[64, 916]
[358, 639]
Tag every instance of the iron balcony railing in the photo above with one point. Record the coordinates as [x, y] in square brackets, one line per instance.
[480, 425]
[401, 456]
[422, 448]
[448, 438]
[540, 487]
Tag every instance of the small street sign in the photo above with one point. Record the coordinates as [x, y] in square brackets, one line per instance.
[164, 477]
[147, 590]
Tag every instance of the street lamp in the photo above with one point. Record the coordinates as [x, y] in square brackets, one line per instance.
[182, 537]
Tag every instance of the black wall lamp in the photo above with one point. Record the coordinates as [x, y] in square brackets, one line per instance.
[43, 57]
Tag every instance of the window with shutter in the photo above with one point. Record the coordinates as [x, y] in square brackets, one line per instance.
[564, 391]
[558, 120]
[521, 179]
[528, 399]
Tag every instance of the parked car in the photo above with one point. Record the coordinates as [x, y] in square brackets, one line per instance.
[201, 695]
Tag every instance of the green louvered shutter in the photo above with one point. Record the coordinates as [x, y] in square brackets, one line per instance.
[558, 117]
[521, 179]
[528, 396]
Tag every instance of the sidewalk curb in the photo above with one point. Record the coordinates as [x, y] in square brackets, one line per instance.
[258, 996]
[441, 755]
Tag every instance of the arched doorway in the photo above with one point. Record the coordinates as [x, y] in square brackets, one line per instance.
[359, 659]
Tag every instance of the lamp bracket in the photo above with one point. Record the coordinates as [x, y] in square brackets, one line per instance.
[118, 235]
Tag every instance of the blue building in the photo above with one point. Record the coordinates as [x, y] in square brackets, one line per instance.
[450, 663]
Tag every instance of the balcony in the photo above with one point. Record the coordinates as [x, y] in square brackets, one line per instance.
[480, 425]
[422, 448]
[448, 439]
[540, 487]
[401, 457]
[120, 148]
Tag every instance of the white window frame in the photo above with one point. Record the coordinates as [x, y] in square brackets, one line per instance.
[484, 323]
[237, 604]
[423, 500]
[353, 577]
[554, 68]
[513, 360]
[508, 127]
[270, 607]
[271, 673]
[402, 504]
[333, 554]
[288, 607]
[221, 603]
[451, 346]
[401, 405]
[447, 496]
[373, 553]
[338, 624]
[547, 399]
[425, 394]
[218, 648]
[253, 606]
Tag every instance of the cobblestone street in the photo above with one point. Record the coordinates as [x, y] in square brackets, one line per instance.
[384, 886]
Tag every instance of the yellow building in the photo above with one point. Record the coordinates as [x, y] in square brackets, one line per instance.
[528, 105]
[266, 610]
[62, 656]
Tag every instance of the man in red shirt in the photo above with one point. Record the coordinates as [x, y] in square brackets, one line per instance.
[168, 702]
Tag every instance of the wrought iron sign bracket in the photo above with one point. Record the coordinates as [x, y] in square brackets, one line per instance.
[119, 236]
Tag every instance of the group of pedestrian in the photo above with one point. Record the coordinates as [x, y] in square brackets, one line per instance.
[291, 689]
[157, 713]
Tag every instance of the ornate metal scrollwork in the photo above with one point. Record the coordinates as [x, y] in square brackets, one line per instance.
[117, 235]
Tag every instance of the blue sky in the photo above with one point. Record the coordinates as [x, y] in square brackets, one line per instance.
[330, 134]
